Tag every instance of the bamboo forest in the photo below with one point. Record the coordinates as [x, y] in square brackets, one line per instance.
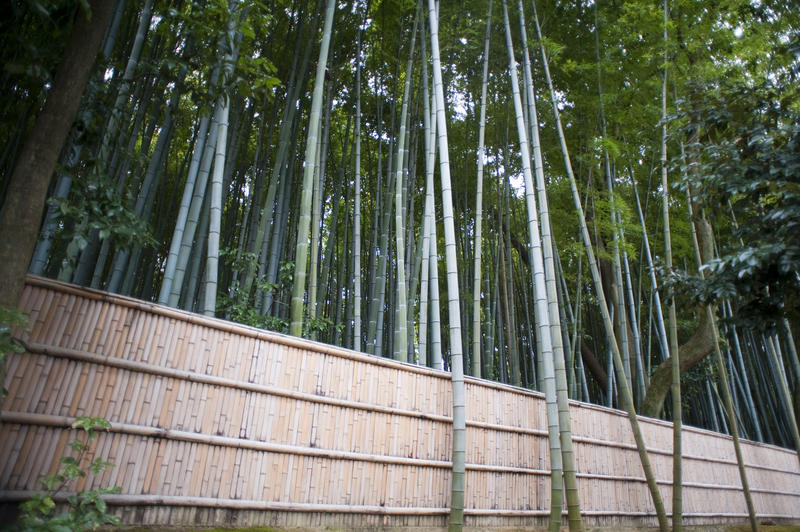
[567, 197]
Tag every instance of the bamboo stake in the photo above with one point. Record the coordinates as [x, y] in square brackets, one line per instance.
[548, 252]
[675, 388]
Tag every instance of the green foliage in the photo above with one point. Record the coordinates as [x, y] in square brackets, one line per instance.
[236, 261]
[207, 28]
[255, 74]
[748, 167]
[31, 56]
[34, 33]
[10, 319]
[319, 324]
[97, 205]
[237, 306]
[693, 391]
[626, 226]
[85, 510]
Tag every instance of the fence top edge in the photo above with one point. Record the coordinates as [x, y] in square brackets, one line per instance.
[225, 325]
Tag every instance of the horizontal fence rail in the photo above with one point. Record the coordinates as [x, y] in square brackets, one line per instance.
[217, 423]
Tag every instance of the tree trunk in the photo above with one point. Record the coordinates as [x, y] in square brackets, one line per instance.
[27, 190]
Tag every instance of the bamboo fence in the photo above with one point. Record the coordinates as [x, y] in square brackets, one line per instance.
[217, 423]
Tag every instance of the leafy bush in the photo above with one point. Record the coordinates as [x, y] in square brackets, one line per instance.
[746, 172]
[85, 510]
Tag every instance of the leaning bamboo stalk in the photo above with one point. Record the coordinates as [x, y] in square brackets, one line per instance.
[662, 330]
[795, 361]
[726, 391]
[548, 252]
[618, 299]
[541, 308]
[773, 351]
[625, 392]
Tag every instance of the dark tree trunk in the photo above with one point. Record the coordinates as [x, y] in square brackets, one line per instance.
[25, 199]
[700, 345]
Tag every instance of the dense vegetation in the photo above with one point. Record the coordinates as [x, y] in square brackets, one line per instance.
[221, 162]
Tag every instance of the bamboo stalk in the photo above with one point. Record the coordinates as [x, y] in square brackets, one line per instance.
[625, 391]
[222, 325]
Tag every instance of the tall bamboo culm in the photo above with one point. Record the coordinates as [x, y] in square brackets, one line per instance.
[456, 351]
[541, 310]
[548, 253]
[476, 279]
[301, 256]
[401, 313]
[672, 319]
[357, 342]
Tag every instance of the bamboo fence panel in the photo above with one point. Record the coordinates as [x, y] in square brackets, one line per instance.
[214, 422]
